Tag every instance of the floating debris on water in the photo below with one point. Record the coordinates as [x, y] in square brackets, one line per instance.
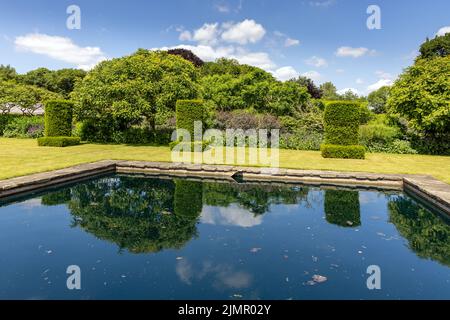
[318, 278]
[237, 296]
[179, 258]
[255, 250]
[314, 258]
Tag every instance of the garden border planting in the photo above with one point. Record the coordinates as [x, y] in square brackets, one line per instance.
[432, 191]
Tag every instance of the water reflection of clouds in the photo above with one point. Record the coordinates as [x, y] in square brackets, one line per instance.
[232, 215]
[30, 204]
[223, 276]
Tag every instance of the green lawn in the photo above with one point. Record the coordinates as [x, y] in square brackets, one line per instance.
[22, 156]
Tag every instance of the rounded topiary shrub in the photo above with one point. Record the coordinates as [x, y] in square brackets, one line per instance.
[187, 112]
[58, 118]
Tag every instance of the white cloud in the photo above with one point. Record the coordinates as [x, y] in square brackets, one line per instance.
[353, 52]
[342, 91]
[442, 31]
[317, 62]
[380, 83]
[185, 36]
[230, 216]
[207, 34]
[313, 75]
[289, 42]
[321, 3]
[383, 75]
[60, 48]
[257, 59]
[247, 31]
[209, 53]
[285, 73]
[340, 70]
[223, 8]
[359, 81]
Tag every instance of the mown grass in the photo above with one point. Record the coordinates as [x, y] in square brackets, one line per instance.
[20, 157]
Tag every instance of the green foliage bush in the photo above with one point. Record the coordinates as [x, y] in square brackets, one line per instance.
[58, 141]
[58, 118]
[187, 112]
[343, 151]
[342, 208]
[24, 127]
[301, 139]
[5, 119]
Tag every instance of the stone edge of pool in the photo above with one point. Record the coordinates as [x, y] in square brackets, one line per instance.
[432, 191]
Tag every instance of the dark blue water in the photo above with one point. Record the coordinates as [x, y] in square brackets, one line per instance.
[147, 238]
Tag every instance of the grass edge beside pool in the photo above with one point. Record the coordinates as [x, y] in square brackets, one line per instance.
[19, 157]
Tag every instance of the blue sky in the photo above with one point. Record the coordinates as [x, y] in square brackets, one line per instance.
[327, 40]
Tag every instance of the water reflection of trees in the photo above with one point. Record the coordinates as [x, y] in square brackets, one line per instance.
[427, 234]
[255, 198]
[342, 208]
[148, 215]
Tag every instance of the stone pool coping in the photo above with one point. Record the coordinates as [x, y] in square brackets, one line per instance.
[432, 191]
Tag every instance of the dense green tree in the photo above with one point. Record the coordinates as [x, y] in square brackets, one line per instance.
[7, 73]
[421, 95]
[224, 66]
[136, 88]
[378, 99]
[313, 90]
[60, 81]
[187, 55]
[232, 86]
[437, 47]
[329, 91]
[27, 98]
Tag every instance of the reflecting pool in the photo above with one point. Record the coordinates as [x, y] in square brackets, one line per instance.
[137, 237]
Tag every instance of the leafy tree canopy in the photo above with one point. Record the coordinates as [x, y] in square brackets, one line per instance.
[437, 47]
[378, 99]
[7, 73]
[187, 55]
[25, 97]
[422, 96]
[313, 90]
[136, 87]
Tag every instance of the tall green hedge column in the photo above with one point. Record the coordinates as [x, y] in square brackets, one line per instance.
[58, 118]
[58, 125]
[341, 120]
[187, 112]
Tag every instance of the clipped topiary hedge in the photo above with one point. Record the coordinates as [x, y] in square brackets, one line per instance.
[58, 141]
[188, 198]
[341, 123]
[342, 208]
[343, 152]
[58, 118]
[187, 112]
